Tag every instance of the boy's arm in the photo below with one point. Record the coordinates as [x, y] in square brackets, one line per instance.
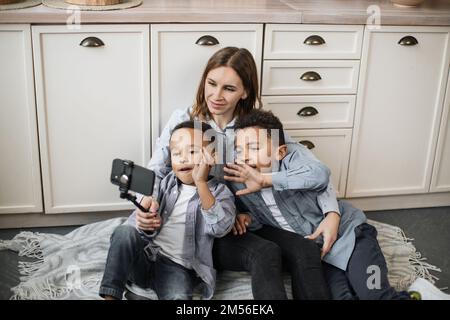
[304, 171]
[219, 216]
[327, 200]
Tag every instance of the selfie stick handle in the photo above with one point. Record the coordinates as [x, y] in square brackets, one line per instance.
[130, 197]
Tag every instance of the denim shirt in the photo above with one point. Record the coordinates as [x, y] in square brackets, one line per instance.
[202, 226]
[302, 209]
[307, 173]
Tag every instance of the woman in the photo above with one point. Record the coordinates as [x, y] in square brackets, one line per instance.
[227, 90]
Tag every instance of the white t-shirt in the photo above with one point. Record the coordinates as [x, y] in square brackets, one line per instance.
[171, 237]
[276, 213]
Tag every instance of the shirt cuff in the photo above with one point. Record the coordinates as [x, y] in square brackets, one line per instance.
[279, 181]
[214, 214]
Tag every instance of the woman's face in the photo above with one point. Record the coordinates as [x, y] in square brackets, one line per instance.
[223, 90]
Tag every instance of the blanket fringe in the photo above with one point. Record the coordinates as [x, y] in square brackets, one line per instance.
[421, 267]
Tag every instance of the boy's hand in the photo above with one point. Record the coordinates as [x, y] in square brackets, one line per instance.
[241, 223]
[328, 228]
[148, 221]
[252, 178]
[201, 170]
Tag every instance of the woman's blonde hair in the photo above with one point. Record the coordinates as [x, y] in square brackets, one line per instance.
[242, 62]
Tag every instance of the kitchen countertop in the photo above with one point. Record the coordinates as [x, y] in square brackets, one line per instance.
[432, 12]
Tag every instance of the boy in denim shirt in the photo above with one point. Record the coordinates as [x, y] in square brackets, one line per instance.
[172, 252]
[260, 151]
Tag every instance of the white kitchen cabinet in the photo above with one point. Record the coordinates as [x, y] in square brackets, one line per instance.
[441, 170]
[93, 103]
[20, 187]
[310, 77]
[179, 53]
[401, 91]
[331, 147]
[312, 41]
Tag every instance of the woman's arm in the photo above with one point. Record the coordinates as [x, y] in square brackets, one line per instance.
[160, 161]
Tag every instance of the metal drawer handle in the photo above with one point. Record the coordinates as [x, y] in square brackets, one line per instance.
[91, 42]
[310, 76]
[207, 41]
[307, 144]
[408, 41]
[314, 40]
[307, 112]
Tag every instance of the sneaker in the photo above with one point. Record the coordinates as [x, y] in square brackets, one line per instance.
[422, 289]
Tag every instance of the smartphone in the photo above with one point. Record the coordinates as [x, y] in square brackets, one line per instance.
[125, 173]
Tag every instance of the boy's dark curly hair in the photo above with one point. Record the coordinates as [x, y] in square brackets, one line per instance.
[261, 119]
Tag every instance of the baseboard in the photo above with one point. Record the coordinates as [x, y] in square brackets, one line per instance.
[28, 220]
[409, 201]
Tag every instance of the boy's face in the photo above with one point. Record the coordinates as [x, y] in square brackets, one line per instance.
[185, 152]
[254, 147]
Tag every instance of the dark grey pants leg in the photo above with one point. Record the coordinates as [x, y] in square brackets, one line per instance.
[260, 257]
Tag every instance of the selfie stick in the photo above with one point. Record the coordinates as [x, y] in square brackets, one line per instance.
[125, 181]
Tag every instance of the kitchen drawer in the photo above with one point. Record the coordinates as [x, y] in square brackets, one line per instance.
[332, 147]
[179, 53]
[312, 112]
[285, 41]
[310, 77]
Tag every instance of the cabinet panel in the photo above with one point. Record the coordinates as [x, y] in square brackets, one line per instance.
[398, 110]
[20, 187]
[330, 146]
[93, 106]
[310, 77]
[441, 170]
[178, 62]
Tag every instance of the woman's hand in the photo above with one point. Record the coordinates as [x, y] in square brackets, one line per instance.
[241, 223]
[148, 221]
[328, 228]
[252, 178]
[201, 170]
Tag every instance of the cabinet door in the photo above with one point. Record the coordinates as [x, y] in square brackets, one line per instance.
[441, 170]
[178, 61]
[92, 89]
[332, 147]
[20, 187]
[402, 85]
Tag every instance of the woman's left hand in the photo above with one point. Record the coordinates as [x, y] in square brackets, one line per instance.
[328, 228]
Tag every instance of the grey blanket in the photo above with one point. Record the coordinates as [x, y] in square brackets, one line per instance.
[71, 266]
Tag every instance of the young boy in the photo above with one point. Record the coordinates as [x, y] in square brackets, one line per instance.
[172, 252]
[355, 255]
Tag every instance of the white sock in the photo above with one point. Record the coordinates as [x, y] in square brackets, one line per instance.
[427, 290]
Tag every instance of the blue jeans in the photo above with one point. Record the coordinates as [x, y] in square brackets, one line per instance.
[127, 261]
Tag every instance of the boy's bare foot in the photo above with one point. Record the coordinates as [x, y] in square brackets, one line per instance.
[110, 298]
